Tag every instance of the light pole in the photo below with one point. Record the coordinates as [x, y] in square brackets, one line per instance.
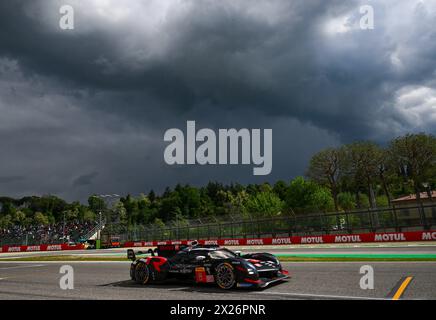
[99, 228]
[427, 187]
[110, 198]
[110, 204]
[63, 228]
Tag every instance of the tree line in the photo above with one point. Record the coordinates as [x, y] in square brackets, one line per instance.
[406, 165]
[359, 175]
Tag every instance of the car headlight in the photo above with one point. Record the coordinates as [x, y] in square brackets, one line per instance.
[251, 269]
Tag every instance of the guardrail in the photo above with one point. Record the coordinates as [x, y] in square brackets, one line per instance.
[42, 247]
[342, 238]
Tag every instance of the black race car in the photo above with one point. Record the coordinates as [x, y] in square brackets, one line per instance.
[206, 264]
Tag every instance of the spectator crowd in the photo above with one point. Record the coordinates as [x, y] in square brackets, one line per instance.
[72, 231]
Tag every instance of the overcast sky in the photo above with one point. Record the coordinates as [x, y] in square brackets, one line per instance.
[84, 111]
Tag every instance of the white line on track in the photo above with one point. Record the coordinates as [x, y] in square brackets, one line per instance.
[180, 289]
[318, 296]
[20, 267]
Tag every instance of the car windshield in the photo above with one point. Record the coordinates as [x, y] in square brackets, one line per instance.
[221, 254]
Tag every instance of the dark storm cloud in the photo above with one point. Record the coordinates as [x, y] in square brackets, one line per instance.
[85, 179]
[9, 179]
[99, 98]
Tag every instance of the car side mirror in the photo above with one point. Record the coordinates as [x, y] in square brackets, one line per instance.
[238, 253]
[200, 258]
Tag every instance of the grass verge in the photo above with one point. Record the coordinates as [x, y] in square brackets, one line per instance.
[345, 259]
[65, 258]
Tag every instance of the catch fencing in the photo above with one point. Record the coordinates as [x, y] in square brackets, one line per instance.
[392, 219]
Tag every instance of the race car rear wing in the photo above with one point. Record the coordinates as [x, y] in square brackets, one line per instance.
[166, 251]
[131, 254]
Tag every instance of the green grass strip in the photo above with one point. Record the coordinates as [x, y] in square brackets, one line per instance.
[359, 256]
[356, 257]
[66, 258]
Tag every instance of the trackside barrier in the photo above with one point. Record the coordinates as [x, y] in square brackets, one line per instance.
[344, 238]
[42, 247]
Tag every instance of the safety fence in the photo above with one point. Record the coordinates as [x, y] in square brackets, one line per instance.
[343, 238]
[392, 219]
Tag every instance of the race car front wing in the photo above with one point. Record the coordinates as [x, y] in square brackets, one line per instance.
[263, 282]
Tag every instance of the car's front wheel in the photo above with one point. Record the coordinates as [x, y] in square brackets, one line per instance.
[142, 273]
[225, 276]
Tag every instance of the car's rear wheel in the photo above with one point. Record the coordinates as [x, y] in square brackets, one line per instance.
[132, 271]
[225, 276]
[142, 273]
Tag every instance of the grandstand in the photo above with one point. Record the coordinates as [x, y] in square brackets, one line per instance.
[71, 231]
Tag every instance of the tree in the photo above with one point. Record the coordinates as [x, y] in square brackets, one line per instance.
[280, 188]
[158, 223]
[6, 221]
[96, 204]
[346, 201]
[19, 217]
[120, 213]
[130, 209]
[144, 209]
[237, 202]
[325, 169]
[322, 200]
[151, 196]
[40, 218]
[190, 202]
[415, 156]
[264, 204]
[170, 206]
[362, 162]
[307, 196]
[8, 209]
[386, 171]
[88, 215]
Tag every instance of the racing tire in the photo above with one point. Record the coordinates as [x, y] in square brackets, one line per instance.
[225, 276]
[132, 271]
[142, 273]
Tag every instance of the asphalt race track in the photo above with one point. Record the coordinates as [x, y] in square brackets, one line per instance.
[310, 280]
